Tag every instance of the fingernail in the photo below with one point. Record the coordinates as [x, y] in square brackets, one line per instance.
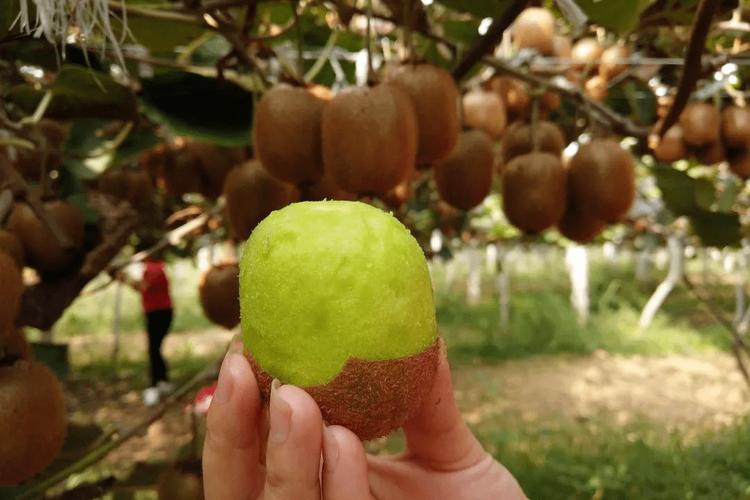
[226, 380]
[330, 449]
[281, 415]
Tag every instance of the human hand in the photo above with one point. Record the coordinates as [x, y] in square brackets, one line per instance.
[285, 452]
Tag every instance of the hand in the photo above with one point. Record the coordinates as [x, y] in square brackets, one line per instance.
[246, 458]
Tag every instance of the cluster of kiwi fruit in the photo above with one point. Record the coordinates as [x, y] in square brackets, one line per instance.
[51, 136]
[32, 405]
[711, 136]
[588, 61]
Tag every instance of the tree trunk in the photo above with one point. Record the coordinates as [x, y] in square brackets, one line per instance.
[577, 262]
[676, 248]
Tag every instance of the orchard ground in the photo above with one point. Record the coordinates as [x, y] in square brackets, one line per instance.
[603, 410]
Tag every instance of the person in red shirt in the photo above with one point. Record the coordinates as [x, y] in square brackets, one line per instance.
[157, 306]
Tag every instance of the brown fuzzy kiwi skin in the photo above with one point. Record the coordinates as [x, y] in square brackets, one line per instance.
[13, 340]
[563, 47]
[10, 244]
[701, 124]
[182, 171]
[610, 66]
[435, 96]
[215, 163]
[11, 289]
[534, 28]
[672, 146]
[601, 178]
[396, 197]
[710, 154]
[370, 398]
[287, 133]
[370, 138]
[739, 163]
[464, 178]
[534, 191]
[586, 52]
[513, 93]
[251, 194]
[578, 225]
[484, 110]
[518, 140]
[597, 88]
[735, 127]
[183, 481]
[43, 252]
[219, 292]
[134, 186]
[32, 420]
[29, 163]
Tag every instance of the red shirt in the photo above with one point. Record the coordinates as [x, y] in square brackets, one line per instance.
[155, 287]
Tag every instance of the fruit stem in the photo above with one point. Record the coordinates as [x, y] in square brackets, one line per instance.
[300, 44]
[368, 44]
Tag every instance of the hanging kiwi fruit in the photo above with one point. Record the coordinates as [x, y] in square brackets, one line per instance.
[10, 244]
[586, 53]
[735, 127]
[534, 28]
[671, 147]
[370, 138]
[484, 110]
[219, 290]
[518, 139]
[579, 225]
[10, 291]
[701, 124]
[464, 178]
[613, 61]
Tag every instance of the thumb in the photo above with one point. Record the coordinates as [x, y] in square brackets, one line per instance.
[437, 434]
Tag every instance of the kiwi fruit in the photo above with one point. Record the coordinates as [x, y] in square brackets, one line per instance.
[133, 186]
[513, 93]
[601, 179]
[596, 88]
[181, 481]
[610, 65]
[562, 47]
[343, 308]
[182, 171]
[739, 163]
[484, 110]
[10, 244]
[214, 163]
[534, 191]
[672, 146]
[370, 138]
[219, 291]
[518, 139]
[251, 194]
[578, 225]
[735, 127]
[710, 154]
[464, 178]
[43, 252]
[435, 96]
[549, 102]
[701, 124]
[287, 133]
[32, 420]
[15, 344]
[10, 291]
[534, 28]
[586, 53]
[29, 163]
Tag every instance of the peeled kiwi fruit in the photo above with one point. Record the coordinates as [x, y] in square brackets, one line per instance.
[181, 481]
[484, 110]
[701, 124]
[578, 225]
[370, 138]
[219, 291]
[287, 133]
[534, 191]
[586, 52]
[601, 179]
[596, 88]
[10, 244]
[534, 28]
[32, 420]
[672, 146]
[464, 178]
[611, 64]
[518, 139]
[251, 194]
[513, 93]
[11, 289]
[435, 96]
[342, 307]
[43, 252]
[735, 127]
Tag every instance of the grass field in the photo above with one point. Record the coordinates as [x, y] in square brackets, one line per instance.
[557, 453]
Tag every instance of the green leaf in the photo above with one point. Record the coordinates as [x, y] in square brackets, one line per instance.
[136, 143]
[678, 190]
[8, 11]
[705, 193]
[479, 8]
[79, 93]
[197, 106]
[728, 194]
[716, 229]
[160, 35]
[618, 15]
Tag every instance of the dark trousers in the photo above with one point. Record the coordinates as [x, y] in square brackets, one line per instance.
[157, 325]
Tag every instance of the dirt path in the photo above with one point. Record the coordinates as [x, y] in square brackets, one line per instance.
[690, 393]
